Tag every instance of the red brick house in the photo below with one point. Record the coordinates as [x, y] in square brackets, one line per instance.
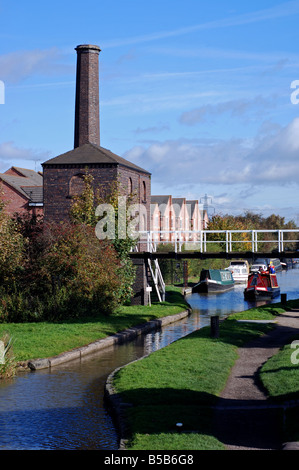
[22, 191]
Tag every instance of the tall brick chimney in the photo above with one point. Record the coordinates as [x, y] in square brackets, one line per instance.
[87, 113]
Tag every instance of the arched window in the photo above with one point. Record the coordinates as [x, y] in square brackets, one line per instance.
[130, 186]
[76, 185]
[144, 191]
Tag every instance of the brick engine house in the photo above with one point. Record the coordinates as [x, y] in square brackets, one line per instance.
[63, 175]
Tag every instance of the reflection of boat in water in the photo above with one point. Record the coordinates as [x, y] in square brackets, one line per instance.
[239, 270]
[214, 280]
[287, 263]
[261, 285]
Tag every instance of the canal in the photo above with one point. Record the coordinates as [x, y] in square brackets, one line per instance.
[63, 409]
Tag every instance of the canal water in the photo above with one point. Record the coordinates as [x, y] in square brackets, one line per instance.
[63, 409]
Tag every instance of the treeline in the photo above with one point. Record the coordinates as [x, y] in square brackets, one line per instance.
[61, 271]
[249, 221]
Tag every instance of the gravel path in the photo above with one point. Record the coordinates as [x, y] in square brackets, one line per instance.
[244, 418]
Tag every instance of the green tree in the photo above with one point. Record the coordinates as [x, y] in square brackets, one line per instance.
[12, 253]
[241, 241]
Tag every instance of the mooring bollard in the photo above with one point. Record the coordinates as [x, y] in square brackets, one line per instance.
[283, 298]
[215, 326]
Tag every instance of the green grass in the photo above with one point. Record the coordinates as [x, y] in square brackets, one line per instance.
[280, 377]
[179, 383]
[265, 312]
[46, 339]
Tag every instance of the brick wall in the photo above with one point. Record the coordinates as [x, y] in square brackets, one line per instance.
[140, 184]
[87, 121]
[59, 186]
[139, 287]
[16, 203]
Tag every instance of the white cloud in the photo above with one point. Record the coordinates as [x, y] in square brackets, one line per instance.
[16, 66]
[10, 154]
[270, 159]
[235, 108]
[284, 9]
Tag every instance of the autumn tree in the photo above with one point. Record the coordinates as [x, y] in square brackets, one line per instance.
[12, 249]
[83, 205]
[241, 241]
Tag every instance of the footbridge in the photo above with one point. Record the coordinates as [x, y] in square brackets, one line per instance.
[153, 246]
[228, 244]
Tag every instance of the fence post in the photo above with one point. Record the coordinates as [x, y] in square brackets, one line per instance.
[148, 242]
[215, 326]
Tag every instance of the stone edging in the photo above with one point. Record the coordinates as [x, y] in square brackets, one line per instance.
[118, 338]
[114, 403]
[116, 406]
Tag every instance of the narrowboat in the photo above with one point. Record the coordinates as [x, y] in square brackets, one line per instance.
[274, 261]
[239, 270]
[261, 285]
[214, 280]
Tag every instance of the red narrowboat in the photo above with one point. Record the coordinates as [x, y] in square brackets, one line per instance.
[261, 285]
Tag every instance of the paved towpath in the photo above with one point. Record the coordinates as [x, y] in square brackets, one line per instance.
[244, 418]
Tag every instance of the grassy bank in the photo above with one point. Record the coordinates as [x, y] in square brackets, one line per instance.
[45, 339]
[181, 381]
[280, 377]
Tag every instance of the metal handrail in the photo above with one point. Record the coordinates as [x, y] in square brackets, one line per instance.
[199, 238]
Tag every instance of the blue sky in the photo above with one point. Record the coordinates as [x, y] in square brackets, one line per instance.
[196, 92]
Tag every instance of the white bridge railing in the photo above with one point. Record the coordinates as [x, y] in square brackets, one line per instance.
[190, 240]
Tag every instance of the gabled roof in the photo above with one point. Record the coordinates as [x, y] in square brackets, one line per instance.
[178, 203]
[192, 204]
[161, 201]
[92, 154]
[28, 183]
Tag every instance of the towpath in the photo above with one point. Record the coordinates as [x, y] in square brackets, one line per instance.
[244, 417]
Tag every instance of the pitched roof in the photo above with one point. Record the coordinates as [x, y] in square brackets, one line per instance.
[91, 154]
[35, 193]
[28, 183]
[161, 201]
[192, 204]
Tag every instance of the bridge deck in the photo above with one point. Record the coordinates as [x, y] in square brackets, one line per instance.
[212, 255]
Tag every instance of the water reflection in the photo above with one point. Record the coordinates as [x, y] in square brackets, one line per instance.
[63, 408]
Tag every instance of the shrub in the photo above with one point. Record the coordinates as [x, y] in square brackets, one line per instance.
[7, 360]
[77, 273]
[68, 273]
[12, 251]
